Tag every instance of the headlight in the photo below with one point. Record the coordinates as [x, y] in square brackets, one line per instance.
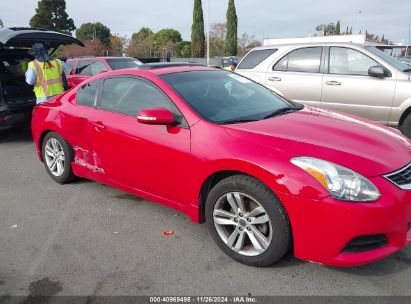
[342, 183]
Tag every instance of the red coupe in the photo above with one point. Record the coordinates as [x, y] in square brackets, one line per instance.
[266, 174]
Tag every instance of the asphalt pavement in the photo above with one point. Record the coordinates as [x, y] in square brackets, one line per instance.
[88, 239]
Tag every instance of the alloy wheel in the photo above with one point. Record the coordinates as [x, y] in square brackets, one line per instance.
[242, 223]
[54, 156]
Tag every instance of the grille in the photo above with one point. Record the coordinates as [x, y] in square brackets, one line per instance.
[401, 178]
[366, 243]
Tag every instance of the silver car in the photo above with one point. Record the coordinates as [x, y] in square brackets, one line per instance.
[347, 77]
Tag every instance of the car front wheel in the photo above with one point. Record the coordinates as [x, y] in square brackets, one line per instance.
[57, 158]
[247, 221]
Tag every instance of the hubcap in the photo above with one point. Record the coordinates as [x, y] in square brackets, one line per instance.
[54, 156]
[242, 223]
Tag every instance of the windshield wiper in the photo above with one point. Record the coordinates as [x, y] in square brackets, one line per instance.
[280, 112]
[407, 70]
[236, 121]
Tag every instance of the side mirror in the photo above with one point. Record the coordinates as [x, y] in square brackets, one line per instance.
[376, 71]
[159, 116]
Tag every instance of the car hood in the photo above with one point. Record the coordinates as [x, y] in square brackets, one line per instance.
[26, 37]
[361, 145]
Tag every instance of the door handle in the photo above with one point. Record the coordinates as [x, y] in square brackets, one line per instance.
[333, 83]
[84, 117]
[98, 126]
[274, 79]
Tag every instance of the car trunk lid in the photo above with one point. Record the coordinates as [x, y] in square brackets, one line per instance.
[26, 37]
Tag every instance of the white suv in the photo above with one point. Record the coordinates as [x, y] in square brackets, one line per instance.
[352, 78]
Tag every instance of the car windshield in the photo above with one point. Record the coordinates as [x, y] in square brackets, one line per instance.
[224, 97]
[124, 63]
[391, 60]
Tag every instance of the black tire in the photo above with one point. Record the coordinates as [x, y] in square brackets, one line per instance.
[67, 175]
[405, 128]
[281, 232]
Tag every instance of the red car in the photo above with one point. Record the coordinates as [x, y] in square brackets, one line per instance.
[79, 69]
[265, 173]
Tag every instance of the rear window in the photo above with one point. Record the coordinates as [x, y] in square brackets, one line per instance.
[118, 64]
[254, 58]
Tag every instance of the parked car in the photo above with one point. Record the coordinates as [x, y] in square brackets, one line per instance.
[266, 174]
[16, 96]
[79, 69]
[353, 78]
[406, 60]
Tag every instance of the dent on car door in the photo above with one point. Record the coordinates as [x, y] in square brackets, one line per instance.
[347, 86]
[297, 75]
[149, 158]
[82, 130]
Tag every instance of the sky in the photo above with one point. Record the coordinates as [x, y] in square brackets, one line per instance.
[262, 18]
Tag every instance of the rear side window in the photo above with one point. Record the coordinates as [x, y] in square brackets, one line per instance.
[307, 60]
[86, 95]
[83, 68]
[254, 58]
[97, 67]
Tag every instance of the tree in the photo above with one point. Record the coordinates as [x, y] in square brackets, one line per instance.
[184, 48]
[247, 42]
[1, 23]
[232, 24]
[92, 48]
[197, 31]
[52, 15]
[329, 29]
[338, 28]
[218, 34]
[90, 31]
[141, 48]
[166, 35]
[117, 45]
[351, 31]
[142, 34]
[346, 31]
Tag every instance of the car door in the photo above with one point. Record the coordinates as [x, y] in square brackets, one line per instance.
[150, 158]
[85, 103]
[298, 75]
[347, 87]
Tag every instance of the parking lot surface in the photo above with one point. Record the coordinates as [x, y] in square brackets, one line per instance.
[88, 239]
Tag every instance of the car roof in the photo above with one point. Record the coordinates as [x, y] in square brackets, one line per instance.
[309, 44]
[100, 58]
[164, 70]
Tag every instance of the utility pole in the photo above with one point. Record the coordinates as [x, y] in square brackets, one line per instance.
[208, 32]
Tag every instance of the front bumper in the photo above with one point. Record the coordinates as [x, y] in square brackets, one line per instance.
[323, 228]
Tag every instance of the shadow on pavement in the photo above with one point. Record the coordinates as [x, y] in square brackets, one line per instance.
[16, 135]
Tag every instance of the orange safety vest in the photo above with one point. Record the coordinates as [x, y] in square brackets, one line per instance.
[49, 81]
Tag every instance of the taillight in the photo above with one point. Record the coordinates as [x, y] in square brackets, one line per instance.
[3, 118]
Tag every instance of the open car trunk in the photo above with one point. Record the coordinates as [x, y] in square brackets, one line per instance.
[13, 86]
[14, 46]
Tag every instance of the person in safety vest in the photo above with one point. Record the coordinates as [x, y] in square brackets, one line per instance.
[45, 74]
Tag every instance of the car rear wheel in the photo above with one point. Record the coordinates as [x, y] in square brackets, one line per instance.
[57, 157]
[405, 128]
[247, 221]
